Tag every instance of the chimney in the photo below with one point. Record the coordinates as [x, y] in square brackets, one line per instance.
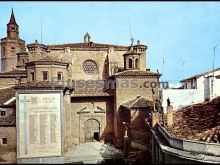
[169, 116]
[87, 37]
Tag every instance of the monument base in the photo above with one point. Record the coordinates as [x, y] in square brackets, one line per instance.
[43, 160]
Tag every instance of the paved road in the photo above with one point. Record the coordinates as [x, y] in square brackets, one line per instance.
[92, 153]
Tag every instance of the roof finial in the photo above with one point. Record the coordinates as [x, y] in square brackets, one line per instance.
[132, 40]
[87, 37]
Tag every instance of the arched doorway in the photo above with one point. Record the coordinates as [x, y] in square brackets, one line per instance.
[92, 130]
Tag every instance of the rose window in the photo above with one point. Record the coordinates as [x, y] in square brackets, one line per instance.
[89, 67]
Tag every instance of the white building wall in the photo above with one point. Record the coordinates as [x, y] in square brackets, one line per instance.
[202, 89]
[211, 86]
[181, 97]
[216, 87]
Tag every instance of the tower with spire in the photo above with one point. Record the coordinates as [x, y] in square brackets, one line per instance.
[11, 45]
[12, 27]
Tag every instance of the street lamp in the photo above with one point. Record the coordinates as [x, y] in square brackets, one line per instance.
[213, 67]
[213, 62]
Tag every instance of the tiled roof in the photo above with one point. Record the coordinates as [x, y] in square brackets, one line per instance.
[9, 120]
[85, 45]
[14, 73]
[198, 122]
[36, 44]
[136, 73]
[132, 52]
[6, 94]
[47, 59]
[138, 102]
[199, 75]
[22, 52]
[39, 85]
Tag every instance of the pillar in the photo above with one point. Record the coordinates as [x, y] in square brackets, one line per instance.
[169, 116]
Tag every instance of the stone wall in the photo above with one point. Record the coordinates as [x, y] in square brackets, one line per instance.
[51, 69]
[123, 95]
[8, 81]
[83, 109]
[10, 134]
[77, 56]
[9, 49]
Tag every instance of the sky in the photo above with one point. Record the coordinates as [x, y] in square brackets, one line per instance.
[180, 36]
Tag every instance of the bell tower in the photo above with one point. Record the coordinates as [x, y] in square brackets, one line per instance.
[12, 27]
[132, 59]
[11, 45]
[135, 57]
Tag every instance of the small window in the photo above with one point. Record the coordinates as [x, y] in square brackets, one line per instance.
[2, 113]
[136, 64]
[45, 76]
[4, 141]
[12, 29]
[12, 49]
[3, 51]
[130, 63]
[59, 76]
[32, 76]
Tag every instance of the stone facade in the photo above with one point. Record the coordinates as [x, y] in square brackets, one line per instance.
[10, 134]
[79, 110]
[10, 46]
[90, 113]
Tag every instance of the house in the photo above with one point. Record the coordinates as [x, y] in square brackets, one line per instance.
[195, 89]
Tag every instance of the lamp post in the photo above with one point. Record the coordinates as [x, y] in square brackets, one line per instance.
[213, 62]
[213, 67]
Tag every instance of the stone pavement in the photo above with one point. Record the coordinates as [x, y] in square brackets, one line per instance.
[92, 153]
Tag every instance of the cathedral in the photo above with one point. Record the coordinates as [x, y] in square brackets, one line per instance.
[103, 86]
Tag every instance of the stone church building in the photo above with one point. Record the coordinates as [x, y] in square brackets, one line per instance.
[92, 111]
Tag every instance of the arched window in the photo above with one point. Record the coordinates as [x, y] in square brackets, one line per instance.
[130, 63]
[136, 63]
[22, 61]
